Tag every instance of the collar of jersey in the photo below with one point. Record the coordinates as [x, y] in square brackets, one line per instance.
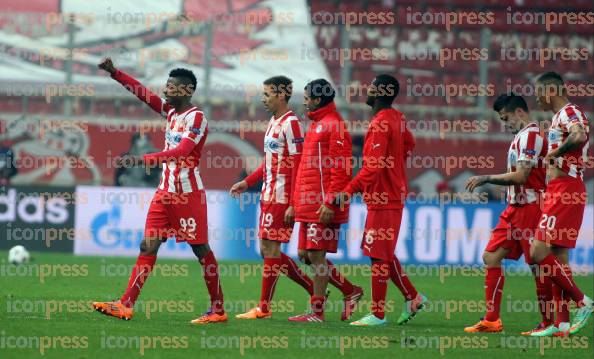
[281, 117]
[186, 111]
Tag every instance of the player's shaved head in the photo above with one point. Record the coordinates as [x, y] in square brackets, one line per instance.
[550, 89]
[185, 76]
[281, 85]
[550, 78]
[387, 88]
[509, 102]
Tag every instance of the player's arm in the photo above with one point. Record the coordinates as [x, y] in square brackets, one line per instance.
[341, 150]
[377, 144]
[134, 86]
[242, 186]
[517, 177]
[294, 137]
[577, 136]
[253, 178]
[530, 147]
[194, 131]
[180, 151]
[409, 143]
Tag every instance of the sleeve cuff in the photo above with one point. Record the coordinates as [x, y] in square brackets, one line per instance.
[332, 206]
[248, 181]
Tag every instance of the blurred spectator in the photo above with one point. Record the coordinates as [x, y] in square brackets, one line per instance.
[137, 176]
[7, 166]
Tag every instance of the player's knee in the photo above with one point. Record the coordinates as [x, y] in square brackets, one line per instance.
[149, 246]
[200, 250]
[143, 247]
[316, 257]
[488, 259]
[302, 254]
[535, 254]
[264, 248]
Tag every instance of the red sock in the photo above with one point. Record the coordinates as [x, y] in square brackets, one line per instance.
[561, 305]
[140, 272]
[544, 293]
[380, 272]
[401, 280]
[317, 304]
[494, 281]
[270, 274]
[337, 280]
[210, 269]
[552, 267]
[291, 270]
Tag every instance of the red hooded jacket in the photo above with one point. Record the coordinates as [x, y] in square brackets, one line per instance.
[382, 180]
[326, 166]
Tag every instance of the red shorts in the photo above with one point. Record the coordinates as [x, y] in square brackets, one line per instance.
[272, 222]
[515, 230]
[381, 233]
[317, 236]
[563, 212]
[182, 215]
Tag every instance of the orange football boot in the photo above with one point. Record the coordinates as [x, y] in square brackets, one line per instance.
[210, 317]
[484, 326]
[255, 313]
[114, 309]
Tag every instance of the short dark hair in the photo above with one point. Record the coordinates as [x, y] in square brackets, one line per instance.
[186, 74]
[550, 77]
[281, 84]
[552, 82]
[321, 89]
[387, 87]
[510, 102]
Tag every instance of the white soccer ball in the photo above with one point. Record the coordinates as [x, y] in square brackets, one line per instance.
[18, 255]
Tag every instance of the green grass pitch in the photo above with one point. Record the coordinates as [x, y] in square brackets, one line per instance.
[45, 309]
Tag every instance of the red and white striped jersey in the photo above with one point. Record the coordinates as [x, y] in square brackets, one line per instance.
[571, 162]
[529, 145]
[284, 137]
[182, 175]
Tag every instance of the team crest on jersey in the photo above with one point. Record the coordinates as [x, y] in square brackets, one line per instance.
[319, 129]
[172, 138]
[552, 136]
[271, 145]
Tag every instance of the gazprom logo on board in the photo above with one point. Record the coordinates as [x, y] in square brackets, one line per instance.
[108, 233]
